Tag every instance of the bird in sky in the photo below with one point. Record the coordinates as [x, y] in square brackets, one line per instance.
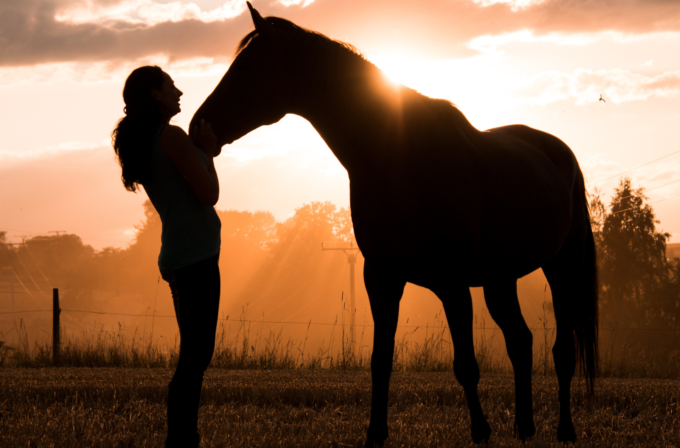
[602, 99]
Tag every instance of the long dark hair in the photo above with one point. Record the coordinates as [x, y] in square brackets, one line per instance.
[132, 139]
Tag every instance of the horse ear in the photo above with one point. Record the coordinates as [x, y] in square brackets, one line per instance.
[261, 25]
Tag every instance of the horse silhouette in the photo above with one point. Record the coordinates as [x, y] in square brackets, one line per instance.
[467, 207]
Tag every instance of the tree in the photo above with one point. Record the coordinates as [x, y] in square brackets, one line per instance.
[312, 224]
[63, 259]
[256, 230]
[634, 273]
[4, 251]
[297, 272]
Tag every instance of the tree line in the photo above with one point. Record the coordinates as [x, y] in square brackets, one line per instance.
[640, 285]
[257, 253]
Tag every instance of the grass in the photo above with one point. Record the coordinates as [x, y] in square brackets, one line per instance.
[417, 349]
[268, 391]
[120, 407]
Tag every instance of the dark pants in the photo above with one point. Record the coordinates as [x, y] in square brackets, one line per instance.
[196, 296]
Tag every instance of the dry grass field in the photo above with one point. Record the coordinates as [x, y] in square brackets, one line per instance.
[125, 407]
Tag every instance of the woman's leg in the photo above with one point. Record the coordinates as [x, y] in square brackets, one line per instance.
[196, 296]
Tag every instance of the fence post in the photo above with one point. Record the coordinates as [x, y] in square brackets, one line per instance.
[55, 326]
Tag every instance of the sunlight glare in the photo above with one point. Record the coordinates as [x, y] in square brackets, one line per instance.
[475, 85]
[398, 68]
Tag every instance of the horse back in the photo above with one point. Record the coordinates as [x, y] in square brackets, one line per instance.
[554, 149]
[531, 180]
[498, 204]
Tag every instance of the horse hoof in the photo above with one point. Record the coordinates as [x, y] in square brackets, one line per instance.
[566, 433]
[374, 443]
[525, 430]
[480, 432]
[375, 438]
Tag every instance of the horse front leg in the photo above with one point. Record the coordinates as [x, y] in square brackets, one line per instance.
[385, 286]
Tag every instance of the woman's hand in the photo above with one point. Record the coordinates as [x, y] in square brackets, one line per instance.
[180, 148]
[205, 139]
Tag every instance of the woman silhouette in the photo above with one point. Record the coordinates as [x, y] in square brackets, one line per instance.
[182, 185]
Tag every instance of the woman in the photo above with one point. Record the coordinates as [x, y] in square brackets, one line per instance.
[182, 185]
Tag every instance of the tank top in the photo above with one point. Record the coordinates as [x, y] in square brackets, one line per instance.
[191, 229]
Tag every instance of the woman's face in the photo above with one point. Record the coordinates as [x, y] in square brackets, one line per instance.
[168, 97]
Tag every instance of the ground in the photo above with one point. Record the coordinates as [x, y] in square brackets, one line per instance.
[109, 407]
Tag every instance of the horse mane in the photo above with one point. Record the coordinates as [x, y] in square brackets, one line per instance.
[322, 44]
[283, 24]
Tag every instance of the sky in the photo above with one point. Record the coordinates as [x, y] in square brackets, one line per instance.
[543, 63]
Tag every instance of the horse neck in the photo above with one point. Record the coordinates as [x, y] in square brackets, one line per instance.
[359, 114]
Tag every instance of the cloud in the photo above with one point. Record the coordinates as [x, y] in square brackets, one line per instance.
[585, 86]
[146, 12]
[515, 5]
[303, 3]
[108, 71]
[490, 43]
[31, 34]
[12, 158]
[51, 31]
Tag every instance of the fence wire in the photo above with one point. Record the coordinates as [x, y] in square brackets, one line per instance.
[602, 329]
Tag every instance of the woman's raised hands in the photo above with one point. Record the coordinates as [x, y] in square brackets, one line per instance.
[205, 139]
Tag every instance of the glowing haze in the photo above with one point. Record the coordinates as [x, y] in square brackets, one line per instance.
[543, 63]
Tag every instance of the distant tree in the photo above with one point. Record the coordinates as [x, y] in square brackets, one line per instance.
[296, 269]
[671, 296]
[635, 277]
[255, 247]
[4, 250]
[598, 212]
[63, 260]
[312, 224]
[257, 229]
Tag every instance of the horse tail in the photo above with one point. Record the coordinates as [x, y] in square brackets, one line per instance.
[586, 328]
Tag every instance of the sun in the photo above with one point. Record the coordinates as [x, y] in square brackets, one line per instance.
[434, 78]
[474, 84]
[400, 68]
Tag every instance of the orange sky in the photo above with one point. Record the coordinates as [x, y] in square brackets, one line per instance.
[540, 63]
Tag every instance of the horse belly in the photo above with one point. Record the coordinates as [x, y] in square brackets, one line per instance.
[527, 215]
[424, 225]
[484, 214]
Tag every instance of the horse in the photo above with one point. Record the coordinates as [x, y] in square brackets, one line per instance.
[469, 208]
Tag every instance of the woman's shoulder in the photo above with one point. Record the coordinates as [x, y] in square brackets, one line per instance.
[170, 131]
[173, 138]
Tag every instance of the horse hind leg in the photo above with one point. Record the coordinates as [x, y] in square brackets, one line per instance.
[458, 309]
[503, 304]
[572, 276]
[563, 351]
[562, 275]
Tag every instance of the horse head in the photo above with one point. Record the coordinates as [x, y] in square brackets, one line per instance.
[257, 89]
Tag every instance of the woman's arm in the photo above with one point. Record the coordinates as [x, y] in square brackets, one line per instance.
[202, 179]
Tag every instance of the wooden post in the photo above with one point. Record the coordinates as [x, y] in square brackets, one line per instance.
[352, 258]
[11, 286]
[55, 326]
